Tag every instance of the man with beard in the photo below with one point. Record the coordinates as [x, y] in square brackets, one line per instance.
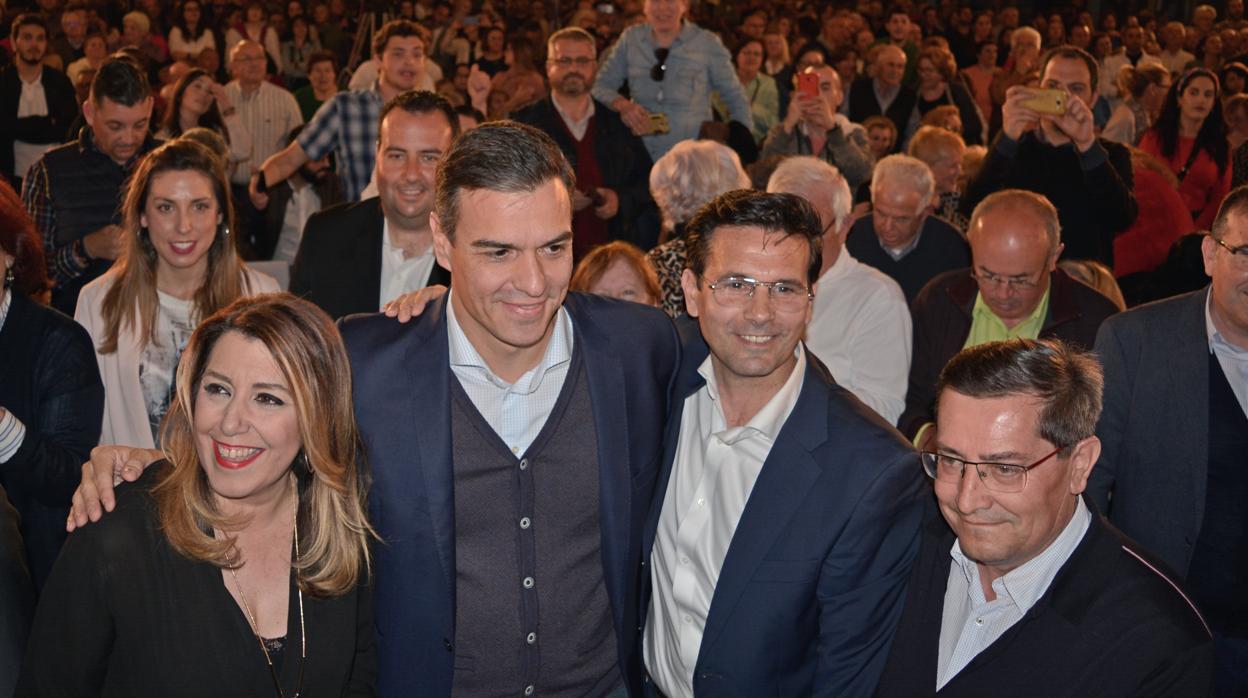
[611, 163]
[38, 102]
[356, 257]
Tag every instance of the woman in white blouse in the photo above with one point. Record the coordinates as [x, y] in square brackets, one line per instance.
[179, 266]
[191, 33]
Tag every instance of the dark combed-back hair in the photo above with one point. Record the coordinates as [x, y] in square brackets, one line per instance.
[20, 240]
[1068, 51]
[422, 102]
[395, 28]
[1212, 135]
[121, 81]
[1068, 381]
[28, 19]
[785, 214]
[501, 156]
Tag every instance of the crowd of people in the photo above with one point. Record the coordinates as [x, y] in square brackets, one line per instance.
[906, 351]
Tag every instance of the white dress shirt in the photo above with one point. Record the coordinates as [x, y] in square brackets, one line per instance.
[970, 623]
[401, 274]
[33, 101]
[1232, 359]
[711, 480]
[12, 431]
[577, 127]
[268, 114]
[860, 328]
[304, 201]
[515, 411]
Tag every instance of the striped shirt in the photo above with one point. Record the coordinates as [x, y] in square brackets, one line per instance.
[346, 124]
[516, 411]
[970, 623]
[12, 431]
[269, 114]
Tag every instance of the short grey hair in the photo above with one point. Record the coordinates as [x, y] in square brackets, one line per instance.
[1025, 201]
[802, 174]
[692, 174]
[908, 172]
[1017, 36]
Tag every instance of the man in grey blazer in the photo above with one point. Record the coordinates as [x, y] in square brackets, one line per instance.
[1174, 435]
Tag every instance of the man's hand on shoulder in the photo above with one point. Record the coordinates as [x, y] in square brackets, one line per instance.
[410, 305]
[109, 466]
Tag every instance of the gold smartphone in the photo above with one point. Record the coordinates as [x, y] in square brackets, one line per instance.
[1046, 101]
[658, 123]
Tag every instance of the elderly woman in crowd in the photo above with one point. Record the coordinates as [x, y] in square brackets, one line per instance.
[760, 88]
[620, 270]
[690, 175]
[179, 265]
[238, 565]
[51, 399]
[1190, 137]
[939, 85]
[942, 151]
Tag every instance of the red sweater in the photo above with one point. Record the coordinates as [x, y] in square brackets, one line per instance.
[1202, 190]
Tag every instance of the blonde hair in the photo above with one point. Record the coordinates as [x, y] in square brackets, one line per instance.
[131, 300]
[931, 143]
[332, 525]
[1097, 276]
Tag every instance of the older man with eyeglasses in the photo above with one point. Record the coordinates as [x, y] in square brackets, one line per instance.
[1013, 289]
[1020, 587]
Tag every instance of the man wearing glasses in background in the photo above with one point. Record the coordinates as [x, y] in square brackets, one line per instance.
[1026, 590]
[1013, 289]
[611, 165]
[786, 513]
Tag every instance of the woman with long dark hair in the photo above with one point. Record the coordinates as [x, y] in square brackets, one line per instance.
[1190, 137]
[200, 101]
[191, 32]
[180, 265]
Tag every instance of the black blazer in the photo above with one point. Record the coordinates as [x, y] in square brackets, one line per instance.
[338, 266]
[52, 129]
[1112, 623]
[50, 380]
[17, 597]
[1155, 424]
[622, 159]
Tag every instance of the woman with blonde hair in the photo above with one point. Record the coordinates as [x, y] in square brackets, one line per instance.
[239, 564]
[1143, 90]
[180, 265]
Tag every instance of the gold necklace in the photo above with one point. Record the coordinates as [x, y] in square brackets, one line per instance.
[255, 627]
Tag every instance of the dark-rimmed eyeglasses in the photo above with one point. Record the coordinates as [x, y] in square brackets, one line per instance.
[1004, 478]
[734, 291]
[1239, 255]
[659, 70]
[1014, 283]
[568, 62]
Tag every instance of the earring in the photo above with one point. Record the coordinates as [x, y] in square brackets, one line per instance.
[307, 464]
[225, 229]
[9, 278]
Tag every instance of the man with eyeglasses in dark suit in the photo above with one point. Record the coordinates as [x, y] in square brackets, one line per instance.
[1013, 289]
[1021, 587]
[611, 163]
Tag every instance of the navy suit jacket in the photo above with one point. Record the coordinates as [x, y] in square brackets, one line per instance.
[402, 383]
[813, 583]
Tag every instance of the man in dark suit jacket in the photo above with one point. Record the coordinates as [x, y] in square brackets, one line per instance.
[1022, 588]
[355, 257]
[1014, 289]
[514, 436]
[17, 596]
[885, 94]
[48, 125]
[1175, 430]
[611, 163]
[787, 512]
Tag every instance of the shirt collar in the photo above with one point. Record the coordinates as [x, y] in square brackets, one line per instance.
[898, 254]
[981, 310]
[1213, 335]
[589, 113]
[389, 248]
[1025, 584]
[464, 355]
[768, 421]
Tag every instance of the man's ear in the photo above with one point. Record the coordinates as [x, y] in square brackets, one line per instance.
[693, 293]
[1083, 458]
[441, 243]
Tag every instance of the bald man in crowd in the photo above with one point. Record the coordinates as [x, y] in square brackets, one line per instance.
[1013, 289]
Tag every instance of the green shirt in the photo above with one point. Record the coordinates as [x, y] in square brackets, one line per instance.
[987, 327]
